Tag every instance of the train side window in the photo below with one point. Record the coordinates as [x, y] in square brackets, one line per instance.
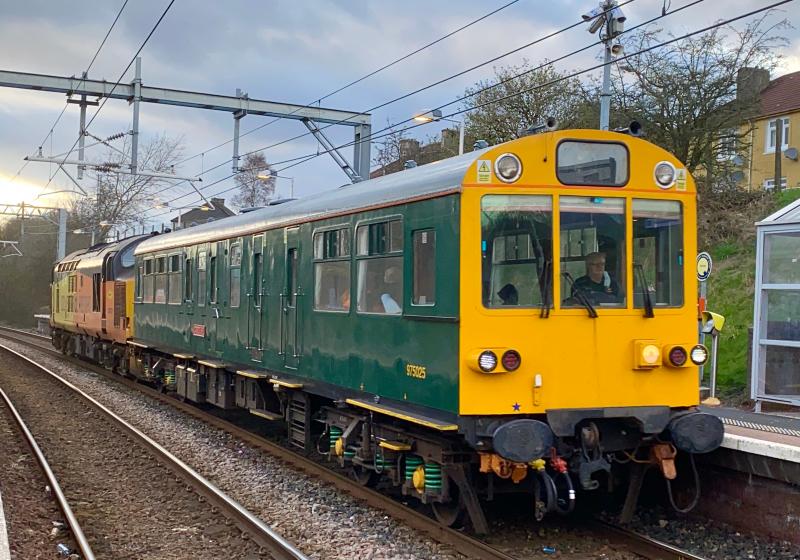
[96, 288]
[516, 250]
[424, 268]
[149, 281]
[139, 280]
[257, 279]
[332, 270]
[161, 280]
[187, 280]
[212, 282]
[201, 279]
[174, 279]
[235, 284]
[380, 267]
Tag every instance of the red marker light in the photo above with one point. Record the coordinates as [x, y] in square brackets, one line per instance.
[511, 360]
[678, 356]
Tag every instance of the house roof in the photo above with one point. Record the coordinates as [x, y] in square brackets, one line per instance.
[782, 95]
[199, 216]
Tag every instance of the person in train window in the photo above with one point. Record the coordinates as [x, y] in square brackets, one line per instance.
[597, 283]
[509, 295]
[391, 279]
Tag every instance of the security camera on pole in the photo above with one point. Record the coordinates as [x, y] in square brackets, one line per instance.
[610, 21]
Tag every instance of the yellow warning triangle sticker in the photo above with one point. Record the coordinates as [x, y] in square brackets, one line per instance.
[484, 166]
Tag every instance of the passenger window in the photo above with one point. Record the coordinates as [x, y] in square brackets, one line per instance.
[332, 270]
[149, 280]
[257, 279]
[592, 251]
[424, 280]
[516, 249]
[187, 281]
[161, 280]
[174, 279]
[380, 268]
[212, 282]
[236, 274]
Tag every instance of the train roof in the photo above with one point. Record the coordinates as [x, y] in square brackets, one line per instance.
[433, 179]
[93, 256]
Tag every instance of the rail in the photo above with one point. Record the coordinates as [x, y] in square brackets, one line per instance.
[278, 547]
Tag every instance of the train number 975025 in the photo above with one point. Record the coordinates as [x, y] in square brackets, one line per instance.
[416, 371]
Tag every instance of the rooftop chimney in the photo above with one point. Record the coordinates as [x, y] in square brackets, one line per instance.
[750, 82]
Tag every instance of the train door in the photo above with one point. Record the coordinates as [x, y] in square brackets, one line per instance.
[189, 294]
[214, 313]
[289, 297]
[104, 285]
[255, 300]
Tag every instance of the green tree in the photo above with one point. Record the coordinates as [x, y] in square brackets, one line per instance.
[518, 97]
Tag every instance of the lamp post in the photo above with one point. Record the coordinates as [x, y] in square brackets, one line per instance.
[436, 115]
[609, 20]
[266, 176]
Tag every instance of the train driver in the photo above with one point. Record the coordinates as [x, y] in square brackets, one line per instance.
[597, 284]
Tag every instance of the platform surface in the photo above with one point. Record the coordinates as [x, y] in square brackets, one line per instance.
[769, 434]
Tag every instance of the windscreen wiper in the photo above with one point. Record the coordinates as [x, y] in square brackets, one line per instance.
[648, 301]
[580, 296]
[547, 304]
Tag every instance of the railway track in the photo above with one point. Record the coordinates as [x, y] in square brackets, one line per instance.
[141, 477]
[640, 545]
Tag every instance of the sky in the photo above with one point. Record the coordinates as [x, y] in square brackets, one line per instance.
[283, 51]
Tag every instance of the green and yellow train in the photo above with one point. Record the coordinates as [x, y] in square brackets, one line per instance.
[516, 318]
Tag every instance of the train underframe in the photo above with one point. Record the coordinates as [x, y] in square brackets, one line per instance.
[552, 458]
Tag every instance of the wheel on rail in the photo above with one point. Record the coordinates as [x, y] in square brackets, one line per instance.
[363, 475]
[452, 513]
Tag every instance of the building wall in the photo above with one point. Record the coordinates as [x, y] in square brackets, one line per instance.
[762, 161]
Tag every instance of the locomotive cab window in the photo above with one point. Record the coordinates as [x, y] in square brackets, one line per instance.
[592, 163]
[592, 251]
[332, 270]
[380, 267]
[516, 250]
[657, 253]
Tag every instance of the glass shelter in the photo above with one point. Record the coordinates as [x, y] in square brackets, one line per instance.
[775, 367]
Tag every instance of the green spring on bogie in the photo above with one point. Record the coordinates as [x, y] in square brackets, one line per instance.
[334, 433]
[349, 452]
[433, 477]
[169, 377]
[412, 462]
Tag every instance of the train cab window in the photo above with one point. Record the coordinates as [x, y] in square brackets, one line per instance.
[380, 267]
[161, 280]
[657, 253]
[235, 284]
[174, 279]
[332, 270]
[592, 251]
[149, 280]
[96, 289]
[516, 250]
[424, 271]
[592, 163]
[201, 278]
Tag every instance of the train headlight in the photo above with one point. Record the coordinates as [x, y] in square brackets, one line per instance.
[511, 360]
[699, 355]
[508, 168]
[487, 361]
[678, 356]
[665, 174]
[651, 355]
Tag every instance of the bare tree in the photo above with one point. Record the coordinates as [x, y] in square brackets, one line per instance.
[685, 93]
[252, 190]
[118, 199]
[389, 149]
[503, 107]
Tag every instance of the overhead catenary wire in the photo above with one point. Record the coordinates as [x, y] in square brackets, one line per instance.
[364, 77]
[83, 78]
[404, 96]
[117, 83]
[534, 88]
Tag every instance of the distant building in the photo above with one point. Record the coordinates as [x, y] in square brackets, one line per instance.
[203, 214]
[778, 102]
[414, 150]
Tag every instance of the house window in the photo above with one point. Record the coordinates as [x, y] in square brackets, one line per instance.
[769, 184]
[771, 133]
